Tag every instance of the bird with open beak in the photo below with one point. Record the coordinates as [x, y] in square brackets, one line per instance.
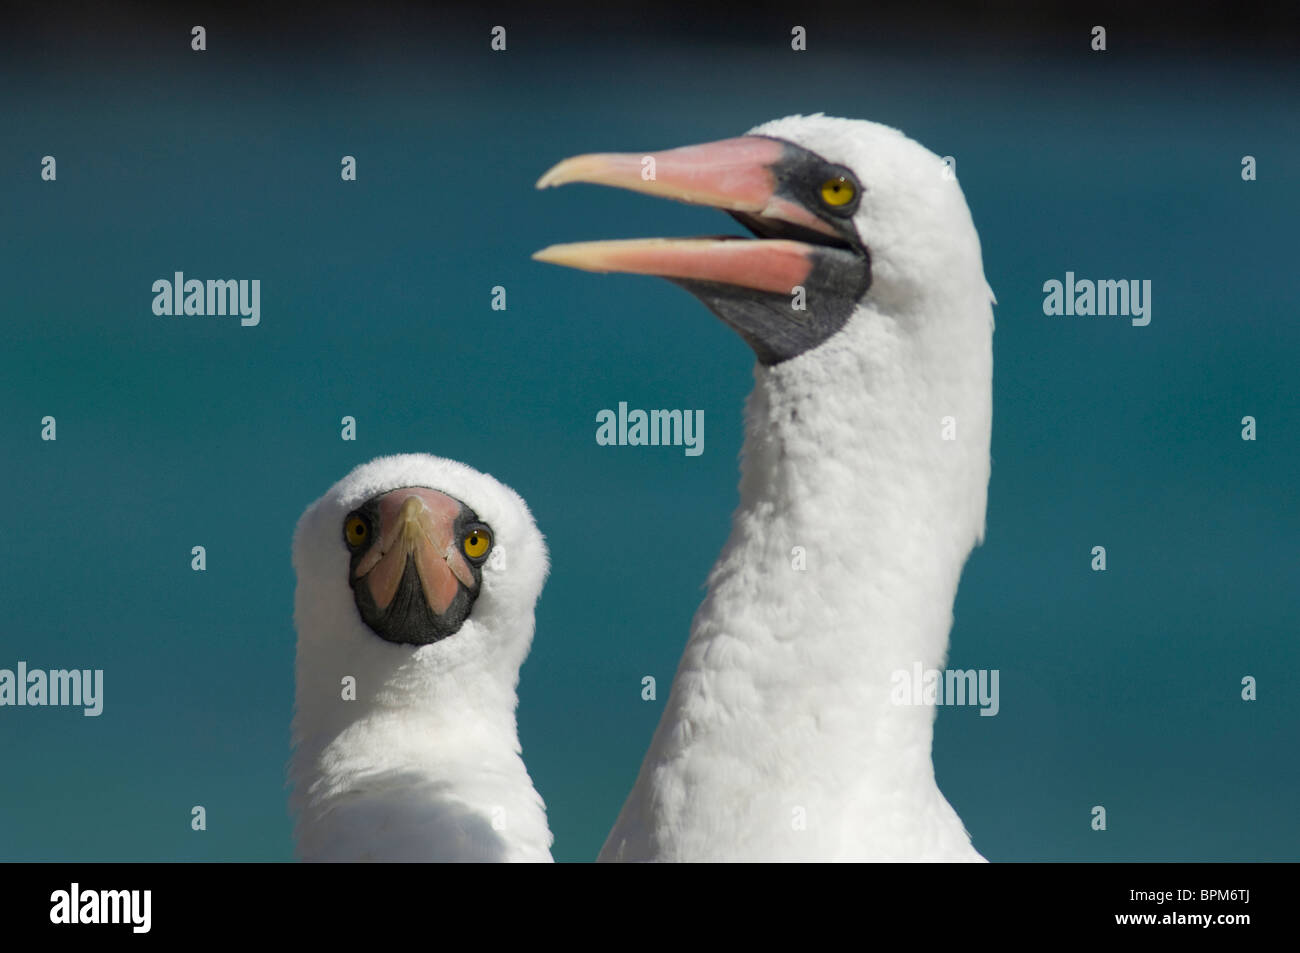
[866, 454]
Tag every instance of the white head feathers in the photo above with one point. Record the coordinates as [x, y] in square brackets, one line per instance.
[913, 216]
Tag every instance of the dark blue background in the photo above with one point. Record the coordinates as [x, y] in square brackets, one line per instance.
[1119, 688]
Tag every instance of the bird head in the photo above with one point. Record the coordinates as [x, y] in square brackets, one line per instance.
[842, 212]
[420, 552]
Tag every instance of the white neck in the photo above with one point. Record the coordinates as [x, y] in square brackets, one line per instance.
[779, 738]
[424, 765]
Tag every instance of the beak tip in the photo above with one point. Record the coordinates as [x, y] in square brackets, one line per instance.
[551, 255]
[576, 255]
[553, 176]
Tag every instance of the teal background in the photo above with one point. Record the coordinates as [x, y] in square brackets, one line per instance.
[1119, 688]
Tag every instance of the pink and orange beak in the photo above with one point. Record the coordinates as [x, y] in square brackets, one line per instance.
[418, 524]
[410, 573]
[802, 245]
[736, 175]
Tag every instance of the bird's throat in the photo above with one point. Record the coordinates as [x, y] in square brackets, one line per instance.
[840, 572]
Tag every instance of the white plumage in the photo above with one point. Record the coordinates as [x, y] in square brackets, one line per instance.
[425, 764]
[779, 740]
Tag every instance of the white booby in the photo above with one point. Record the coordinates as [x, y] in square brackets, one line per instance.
[863, 488]
[417, 578]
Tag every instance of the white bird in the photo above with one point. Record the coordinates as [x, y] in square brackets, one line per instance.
[863, 490]
[417, 578]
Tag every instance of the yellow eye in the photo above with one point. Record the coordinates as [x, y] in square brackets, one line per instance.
[838, 191]
[477, 542]
[356, 531]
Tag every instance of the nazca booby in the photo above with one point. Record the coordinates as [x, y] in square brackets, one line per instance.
[417, 578]
[780, 739]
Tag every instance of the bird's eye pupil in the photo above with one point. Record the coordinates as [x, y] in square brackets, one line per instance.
[476, 543]
[838, 191]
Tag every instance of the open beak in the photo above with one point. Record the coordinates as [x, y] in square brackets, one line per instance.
[784, 290]
[736, 175]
